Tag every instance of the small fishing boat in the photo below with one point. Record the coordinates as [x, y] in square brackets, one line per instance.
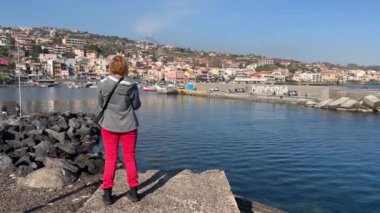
[149, 89]
[169, 89]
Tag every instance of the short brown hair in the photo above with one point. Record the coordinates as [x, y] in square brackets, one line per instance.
[119, 66]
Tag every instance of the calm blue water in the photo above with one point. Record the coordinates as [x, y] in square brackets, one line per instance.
[362, 86]
[291, 157]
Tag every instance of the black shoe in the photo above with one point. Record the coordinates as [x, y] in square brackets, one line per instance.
[132, 195]
[107, 197]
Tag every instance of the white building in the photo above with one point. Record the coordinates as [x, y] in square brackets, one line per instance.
[73, 41]
[46, 57]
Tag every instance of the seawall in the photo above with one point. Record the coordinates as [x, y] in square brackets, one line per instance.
[313, 92]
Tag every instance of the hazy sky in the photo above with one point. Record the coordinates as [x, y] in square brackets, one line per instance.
[337, 31]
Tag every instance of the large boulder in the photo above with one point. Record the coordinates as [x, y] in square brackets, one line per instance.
[40, 123]
[48, 178]
[56, 128]
[61, 164]
[62, 123]
[89, 163]
[23, 170]
[371, 102]
[70, 132]
[350, 104]
[74, 123]
[44, 149]
[324, 104]
[83, 130]
[24, 160]
[59, 136]
[4, 148]
[67, 147]
[336, 104]
[9, 135]
[34, 132]
[5, 163]
[310, 103]
[18, 153]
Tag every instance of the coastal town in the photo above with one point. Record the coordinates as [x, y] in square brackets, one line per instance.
[38, 55]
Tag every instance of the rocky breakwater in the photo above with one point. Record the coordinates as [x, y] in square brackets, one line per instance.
[49, 150]
[369, 103]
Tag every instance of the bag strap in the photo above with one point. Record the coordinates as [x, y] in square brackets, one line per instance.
[109, 97]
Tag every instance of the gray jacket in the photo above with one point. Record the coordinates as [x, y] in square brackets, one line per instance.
[120, 113]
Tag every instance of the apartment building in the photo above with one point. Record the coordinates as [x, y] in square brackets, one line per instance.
[264, 61]
[73, 41]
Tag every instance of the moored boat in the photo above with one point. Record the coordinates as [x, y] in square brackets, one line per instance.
[149, 89]
[169, 89]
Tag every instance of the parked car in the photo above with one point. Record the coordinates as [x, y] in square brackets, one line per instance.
[291, 93]
[216, 89]
[241, 90]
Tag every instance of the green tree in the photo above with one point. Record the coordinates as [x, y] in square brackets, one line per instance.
[4, 52]
[36, 50]
[266, 67]
[68, 55]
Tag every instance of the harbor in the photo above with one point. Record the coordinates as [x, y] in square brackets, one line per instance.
[286, 156]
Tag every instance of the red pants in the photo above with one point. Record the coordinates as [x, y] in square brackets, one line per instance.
[111, 148]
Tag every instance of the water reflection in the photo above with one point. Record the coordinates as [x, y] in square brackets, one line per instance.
[36, 100]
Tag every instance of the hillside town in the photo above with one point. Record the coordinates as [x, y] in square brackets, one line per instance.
[64, 54]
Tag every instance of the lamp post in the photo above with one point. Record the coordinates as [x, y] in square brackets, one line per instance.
[19, 79]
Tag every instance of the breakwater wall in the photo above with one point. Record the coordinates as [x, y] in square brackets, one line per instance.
[314, 92]
[50, 149]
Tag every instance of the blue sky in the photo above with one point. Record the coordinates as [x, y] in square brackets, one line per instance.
[337, 31]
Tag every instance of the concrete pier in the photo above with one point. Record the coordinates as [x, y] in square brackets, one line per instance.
[175, 191]
[314, 92]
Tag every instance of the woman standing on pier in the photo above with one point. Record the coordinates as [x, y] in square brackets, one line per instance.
[119, 123]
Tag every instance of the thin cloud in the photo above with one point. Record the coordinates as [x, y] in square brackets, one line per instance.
[171, 13]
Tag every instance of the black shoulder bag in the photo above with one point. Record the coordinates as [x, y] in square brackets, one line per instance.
[97, 119]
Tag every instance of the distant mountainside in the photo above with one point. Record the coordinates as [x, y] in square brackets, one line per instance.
[150, 39]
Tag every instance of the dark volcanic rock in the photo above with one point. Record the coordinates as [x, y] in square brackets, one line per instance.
[18, 153]
[67, 147]
[5, 148]
[60, 136]
[24, 170]
[84, 148]
[96, 166]
[24, 160]
[89, 163]
[28, 127]
[75, 141]
[9, 135]
[45, 149]
[70, 132]
[16, 144]
[61, 164]
[40, 123]
[56, 128]
[28, 142]
[83, 130]
[50, 141]
[34, 132]
[62, 123]
[74, 123]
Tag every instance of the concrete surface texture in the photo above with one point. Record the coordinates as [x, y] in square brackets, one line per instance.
[170, 191]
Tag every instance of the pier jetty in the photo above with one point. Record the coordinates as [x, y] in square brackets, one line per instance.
[322, 97]
[176, 191]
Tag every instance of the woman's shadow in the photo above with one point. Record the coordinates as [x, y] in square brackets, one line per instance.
[160, 177]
